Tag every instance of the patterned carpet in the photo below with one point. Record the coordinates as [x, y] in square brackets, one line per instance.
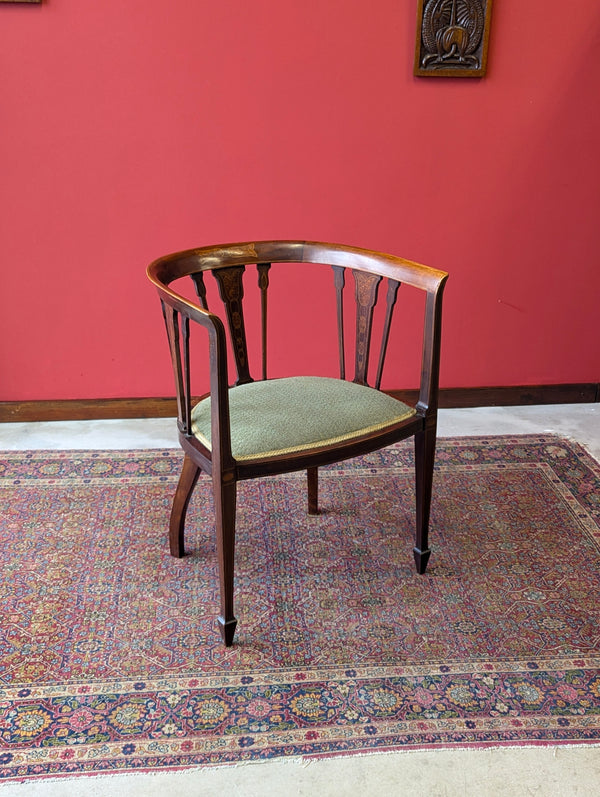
[110, 659]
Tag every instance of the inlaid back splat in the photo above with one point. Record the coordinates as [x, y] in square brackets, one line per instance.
[231, 290]
[366, 298]
[230, 282]
[366, 290]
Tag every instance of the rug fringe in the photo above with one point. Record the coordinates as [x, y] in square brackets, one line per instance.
[305, 762]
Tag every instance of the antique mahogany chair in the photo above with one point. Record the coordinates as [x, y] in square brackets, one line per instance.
[273, 426]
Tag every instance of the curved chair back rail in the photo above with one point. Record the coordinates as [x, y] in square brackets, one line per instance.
[269, 426]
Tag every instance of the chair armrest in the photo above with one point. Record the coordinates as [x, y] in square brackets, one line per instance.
[178, 313]
[432, 336]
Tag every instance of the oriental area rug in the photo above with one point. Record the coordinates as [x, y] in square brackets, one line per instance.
[110, 657]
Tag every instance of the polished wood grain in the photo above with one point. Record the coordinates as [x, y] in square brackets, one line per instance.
[228, 265]
[231, 289]
[263, 284]
[392, 294]
[339, 281]
[366, 290]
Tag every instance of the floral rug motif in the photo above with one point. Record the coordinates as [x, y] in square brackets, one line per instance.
[110, 658]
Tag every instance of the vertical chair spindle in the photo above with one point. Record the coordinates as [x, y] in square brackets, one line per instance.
[339, 275]
[392, 293]
[180, 358]
[198, 278]
[263, 284]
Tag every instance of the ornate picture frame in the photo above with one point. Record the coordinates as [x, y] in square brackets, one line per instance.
[452, 38]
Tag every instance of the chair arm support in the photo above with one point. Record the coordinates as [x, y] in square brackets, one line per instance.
[219, 390]
[432, 336]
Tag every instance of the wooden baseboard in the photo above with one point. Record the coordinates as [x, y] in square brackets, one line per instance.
[96, 409]
[510, 396]
[87, 409]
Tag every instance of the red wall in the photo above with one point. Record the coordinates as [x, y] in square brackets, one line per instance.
[131, 128]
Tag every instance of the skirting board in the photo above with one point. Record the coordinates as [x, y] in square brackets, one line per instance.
[96, 409]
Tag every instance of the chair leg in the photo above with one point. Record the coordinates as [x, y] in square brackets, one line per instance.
[185, 488]
[312, 481]
[225, 489]
[424, 459]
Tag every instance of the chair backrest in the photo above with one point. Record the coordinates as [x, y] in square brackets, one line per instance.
[228, 264]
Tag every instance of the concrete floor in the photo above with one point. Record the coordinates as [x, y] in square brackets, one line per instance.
[566, 771]
[579, 422]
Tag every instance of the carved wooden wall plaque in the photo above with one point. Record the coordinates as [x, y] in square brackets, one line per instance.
[452, 38]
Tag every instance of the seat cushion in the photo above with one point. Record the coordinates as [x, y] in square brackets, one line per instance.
[296, 414]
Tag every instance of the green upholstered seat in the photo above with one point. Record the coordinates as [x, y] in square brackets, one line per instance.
[296, 414]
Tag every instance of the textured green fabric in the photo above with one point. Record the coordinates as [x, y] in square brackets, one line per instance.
[299, 413]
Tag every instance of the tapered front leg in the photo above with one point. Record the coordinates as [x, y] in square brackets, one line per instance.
[424, 460]
[225, 489]
[185, 488]
[312, 482]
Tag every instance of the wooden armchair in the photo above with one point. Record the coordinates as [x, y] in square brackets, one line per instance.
[273, 426]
